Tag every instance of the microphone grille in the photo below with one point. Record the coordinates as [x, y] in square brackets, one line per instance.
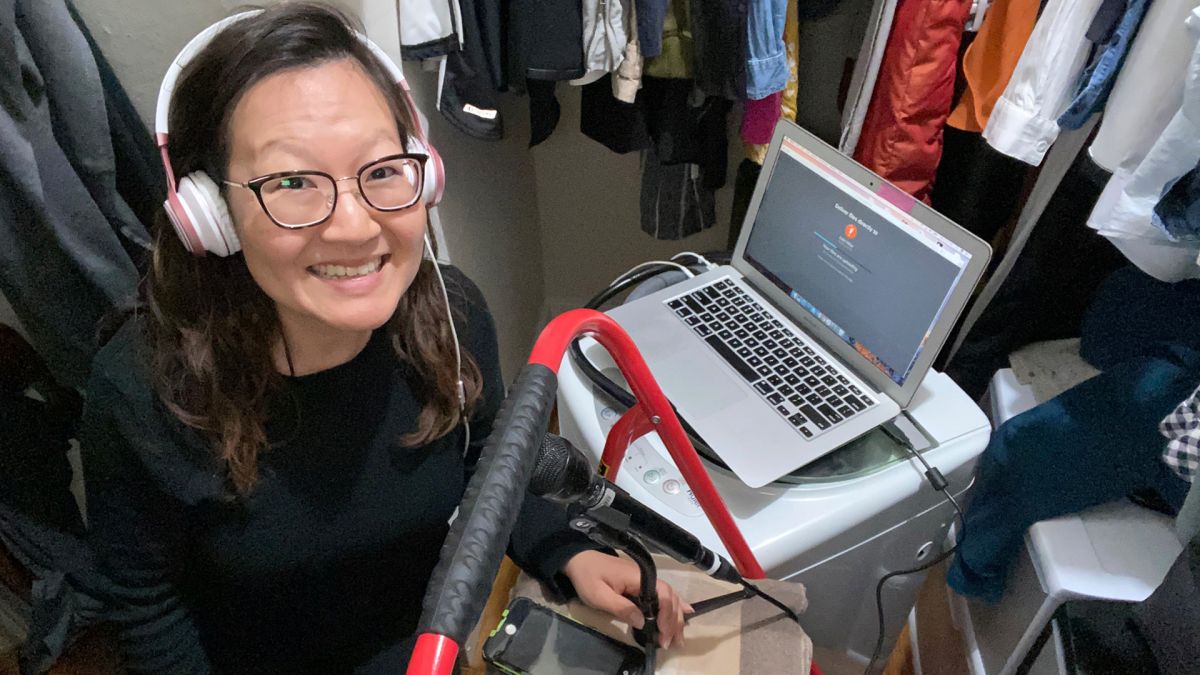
[550, 468]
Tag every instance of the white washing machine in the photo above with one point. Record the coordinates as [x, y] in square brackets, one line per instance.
[837, 525]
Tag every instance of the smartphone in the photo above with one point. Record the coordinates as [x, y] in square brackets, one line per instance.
[532, 639]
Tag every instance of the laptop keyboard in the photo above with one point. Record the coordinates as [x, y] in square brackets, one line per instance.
[791, 376]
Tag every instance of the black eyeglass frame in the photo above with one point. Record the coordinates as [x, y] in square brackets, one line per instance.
[255, 185]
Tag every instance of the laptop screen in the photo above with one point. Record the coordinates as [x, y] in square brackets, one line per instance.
[872, 274]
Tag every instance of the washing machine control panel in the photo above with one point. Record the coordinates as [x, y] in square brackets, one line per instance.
[648, 464]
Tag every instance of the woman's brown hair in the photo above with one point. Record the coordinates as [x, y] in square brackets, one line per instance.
[211, 328]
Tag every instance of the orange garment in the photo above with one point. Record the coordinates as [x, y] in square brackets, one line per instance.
[990, 60]
[901, 136]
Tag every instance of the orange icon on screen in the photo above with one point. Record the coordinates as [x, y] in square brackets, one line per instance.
[851, 231]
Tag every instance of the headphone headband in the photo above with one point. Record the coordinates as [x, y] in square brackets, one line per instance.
[162, 110]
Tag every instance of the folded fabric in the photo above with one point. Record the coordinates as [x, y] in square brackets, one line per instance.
[1093, 444]
[746, 638]
[1182, 429]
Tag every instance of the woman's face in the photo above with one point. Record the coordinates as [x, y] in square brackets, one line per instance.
[349, 272]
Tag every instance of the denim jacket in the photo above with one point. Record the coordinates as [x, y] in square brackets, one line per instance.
[766, 63]
[1098, 78]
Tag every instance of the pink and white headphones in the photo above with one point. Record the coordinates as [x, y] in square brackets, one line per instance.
[195, 206]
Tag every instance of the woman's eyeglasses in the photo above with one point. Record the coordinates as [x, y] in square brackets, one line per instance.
[296, 199]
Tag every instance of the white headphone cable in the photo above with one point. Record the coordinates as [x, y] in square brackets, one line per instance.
[462, 393]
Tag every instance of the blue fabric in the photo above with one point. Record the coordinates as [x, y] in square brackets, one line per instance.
[650, 17]
[766, 65]
[1178, 212]
[1098, 78]
[1095, 443]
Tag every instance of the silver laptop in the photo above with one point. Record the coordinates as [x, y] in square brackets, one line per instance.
[840, 293]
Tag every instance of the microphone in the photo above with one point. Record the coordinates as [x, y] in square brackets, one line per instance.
[563, 474]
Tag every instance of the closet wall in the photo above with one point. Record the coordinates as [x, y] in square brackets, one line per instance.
[490, 212]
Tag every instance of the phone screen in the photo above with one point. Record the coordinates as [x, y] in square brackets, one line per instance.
[548, 644]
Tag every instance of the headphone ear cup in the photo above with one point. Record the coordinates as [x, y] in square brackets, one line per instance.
[209, 214]
[435, 177]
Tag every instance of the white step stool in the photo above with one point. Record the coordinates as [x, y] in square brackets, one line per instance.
[1117, 551]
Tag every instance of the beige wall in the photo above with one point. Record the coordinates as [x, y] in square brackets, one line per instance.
[489, 215]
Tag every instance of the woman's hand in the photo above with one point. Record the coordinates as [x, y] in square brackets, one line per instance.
[606, 583]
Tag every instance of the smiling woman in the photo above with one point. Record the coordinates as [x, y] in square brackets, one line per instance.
[274, 445]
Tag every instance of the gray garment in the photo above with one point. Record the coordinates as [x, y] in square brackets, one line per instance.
[674, 201]
[62, 265]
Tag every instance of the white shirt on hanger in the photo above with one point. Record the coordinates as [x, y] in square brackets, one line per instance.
[1124, 211]
[1148, 89]
[1025, 120]
[604, 38]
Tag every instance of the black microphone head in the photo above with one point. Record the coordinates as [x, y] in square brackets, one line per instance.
[561, 472]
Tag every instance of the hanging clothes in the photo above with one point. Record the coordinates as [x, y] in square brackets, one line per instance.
[1024, 121]
[990, 60]
[759, 117]
[429, 28]
[1148, 89]
[1112, 44]
[615, 124]
[976, 186]
[674, 202]
[719, 35]
[604, 38]
[1178, 212]
[471, 77]
[678, 54]
[766, 64]
[650, 16]
[1124, 211]
[547, 36]
[64, 262]
[786, 107]
[901, 138]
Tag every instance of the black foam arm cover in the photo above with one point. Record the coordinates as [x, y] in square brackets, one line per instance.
[471, 555]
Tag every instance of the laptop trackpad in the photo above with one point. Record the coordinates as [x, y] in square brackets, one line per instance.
[705, 390]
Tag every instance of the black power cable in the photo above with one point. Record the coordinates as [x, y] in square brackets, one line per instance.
[939, 483]
[615, 391]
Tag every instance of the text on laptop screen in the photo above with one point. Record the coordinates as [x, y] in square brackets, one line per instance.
[871, 273]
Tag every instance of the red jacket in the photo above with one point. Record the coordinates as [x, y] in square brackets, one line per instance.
[901, 138]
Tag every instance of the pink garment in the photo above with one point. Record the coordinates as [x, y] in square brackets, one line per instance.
[759, 117]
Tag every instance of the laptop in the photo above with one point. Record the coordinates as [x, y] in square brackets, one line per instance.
[840, 292]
